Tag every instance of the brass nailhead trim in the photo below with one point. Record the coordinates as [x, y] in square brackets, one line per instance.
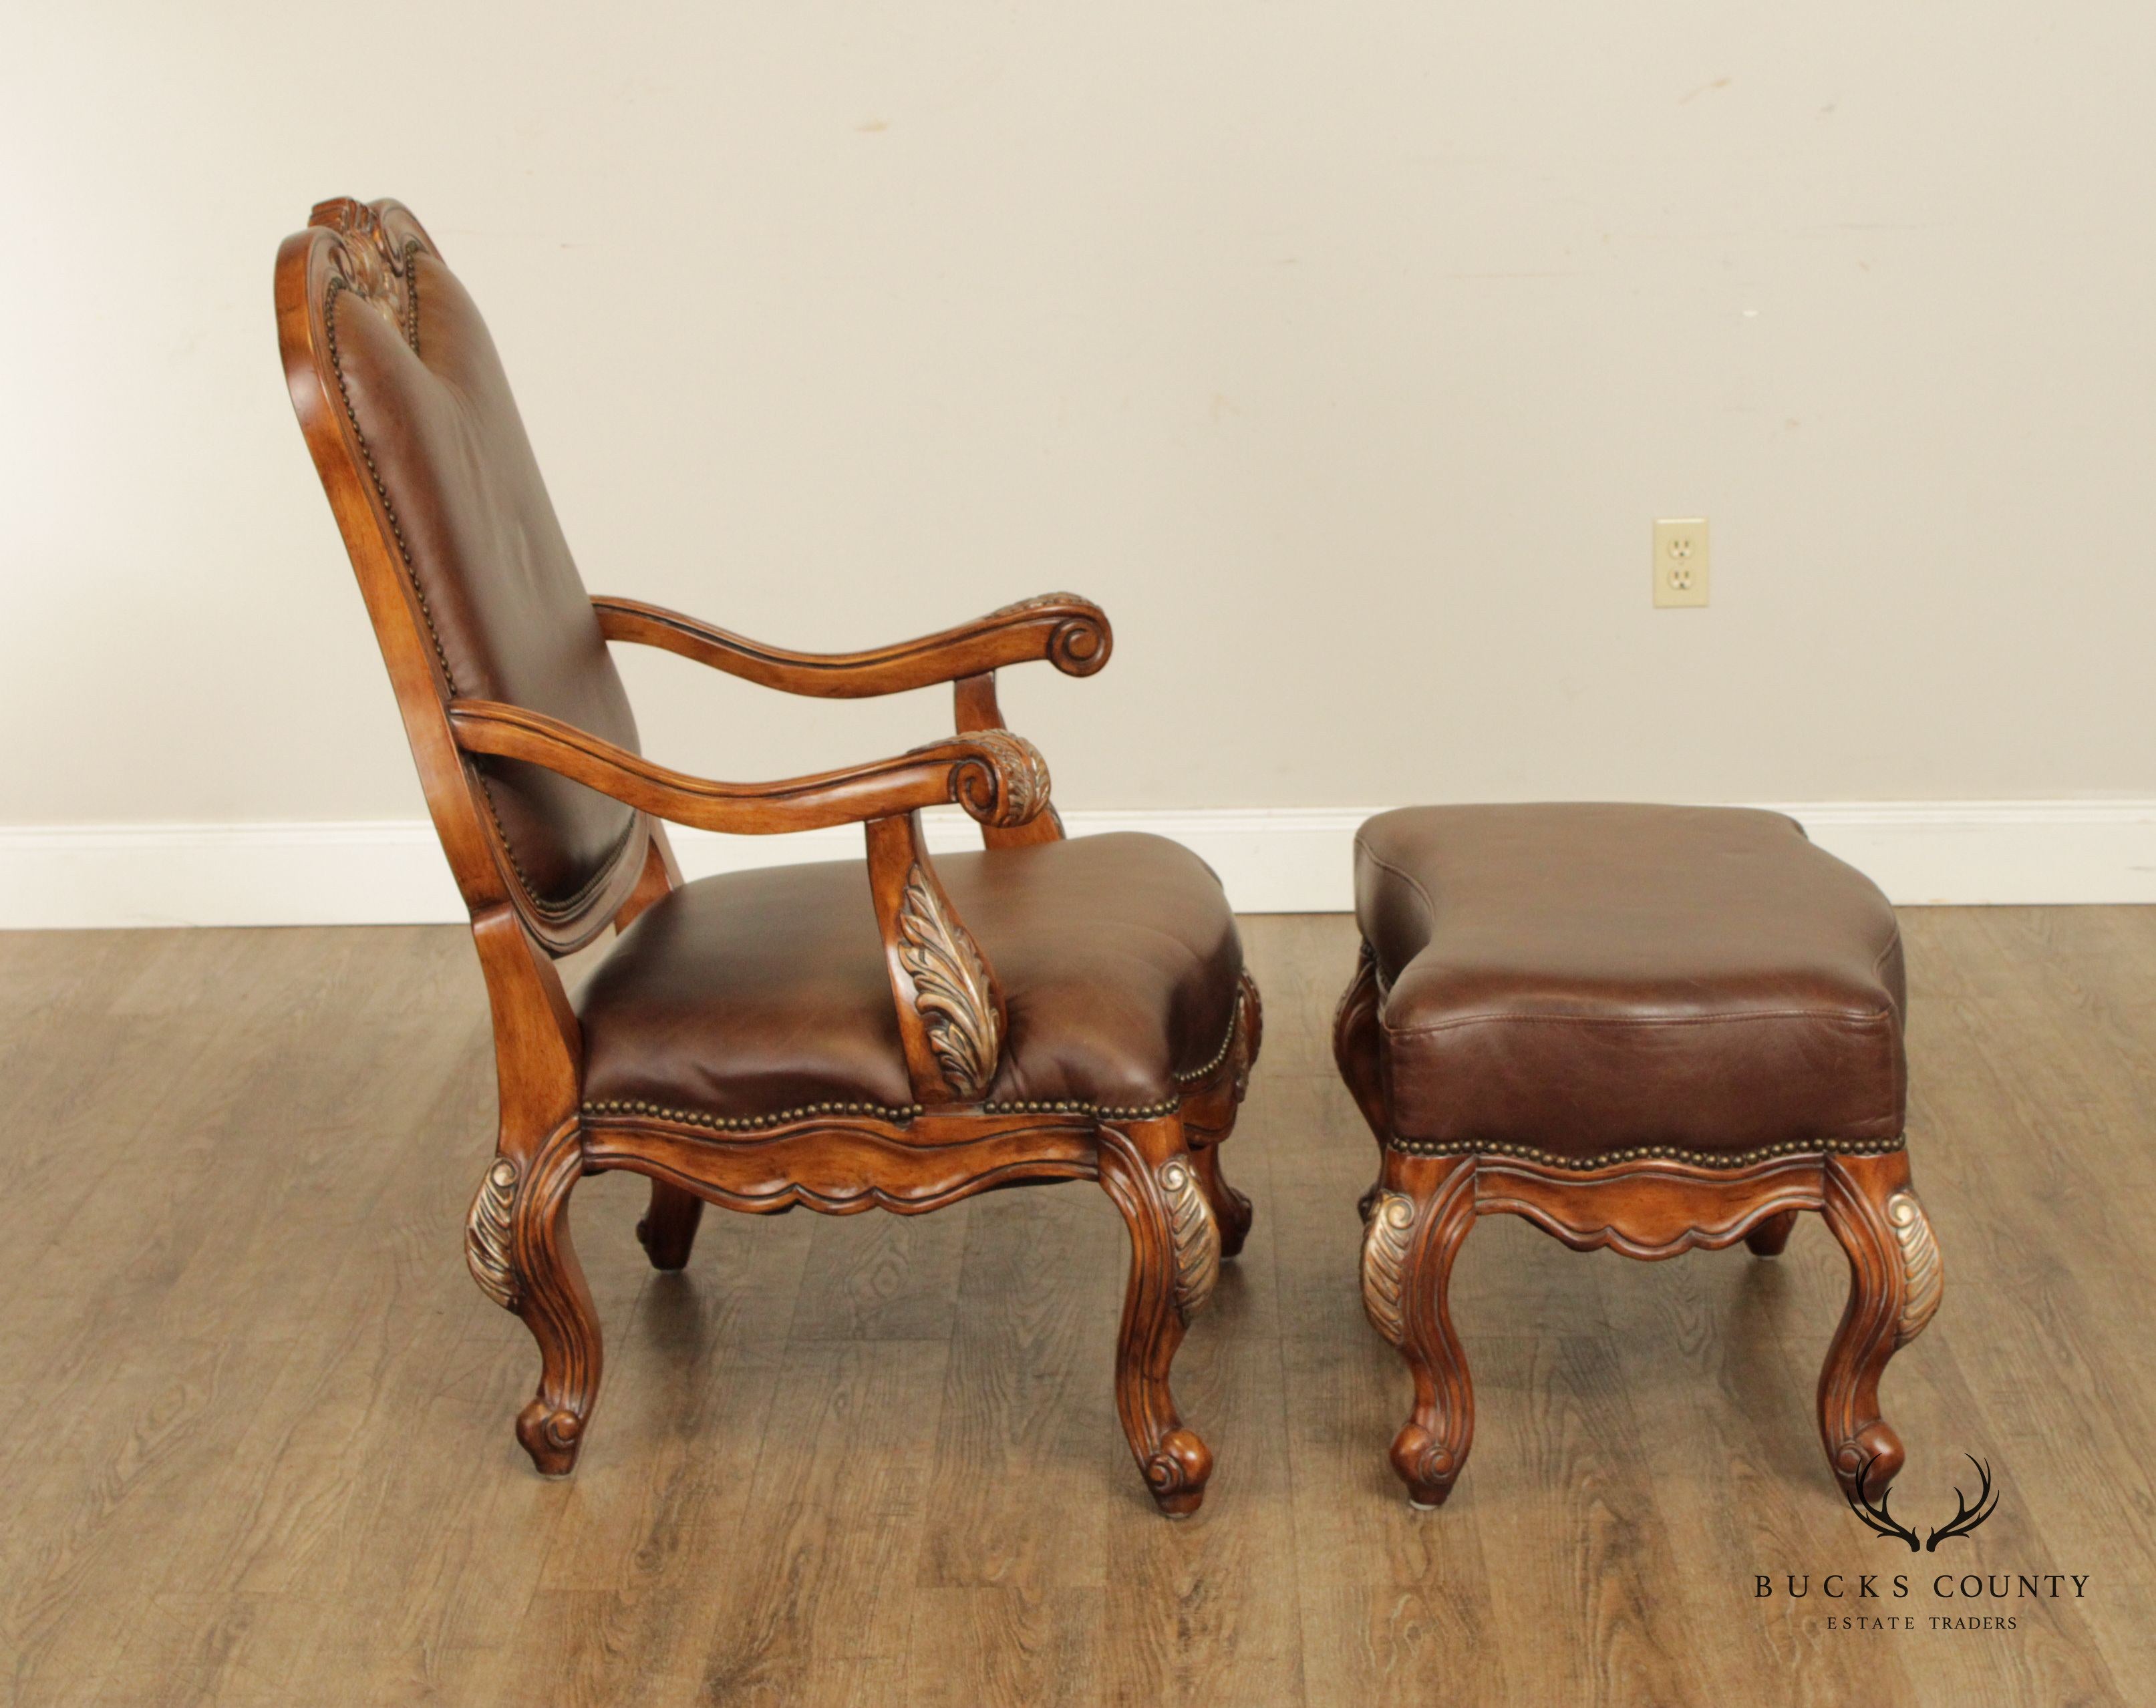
[907, 1111]
[750, 1123]
[1107, 1111]
[1665, 1153]
[541, 905]
[1219, 1055]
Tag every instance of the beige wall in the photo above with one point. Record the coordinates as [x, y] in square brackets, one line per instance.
[1343, 351]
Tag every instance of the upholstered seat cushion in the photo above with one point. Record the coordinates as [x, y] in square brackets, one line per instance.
[1579, 980]
[741, 997]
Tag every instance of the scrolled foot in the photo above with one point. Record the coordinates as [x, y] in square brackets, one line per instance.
[552, 1437]
[1178, 1473]
[1426, 1464]
[1875, 1454]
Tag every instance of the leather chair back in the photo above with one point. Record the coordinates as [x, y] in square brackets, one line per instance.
[497, 606]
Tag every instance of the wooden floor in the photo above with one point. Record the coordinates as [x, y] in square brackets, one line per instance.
[259, 1446]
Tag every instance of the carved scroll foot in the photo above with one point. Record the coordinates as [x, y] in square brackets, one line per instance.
[668, 1231]
[1894, 1281]
[1422, 1211]
[1175, 1258]
[1771, 1238]
[516, 1241]
[1231, 1210]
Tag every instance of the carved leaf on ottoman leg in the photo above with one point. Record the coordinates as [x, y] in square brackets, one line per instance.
[1196, 1235]
[1384, 1263]
[1920, 1262]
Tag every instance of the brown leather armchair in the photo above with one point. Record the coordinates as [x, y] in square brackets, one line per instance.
[902, 1035]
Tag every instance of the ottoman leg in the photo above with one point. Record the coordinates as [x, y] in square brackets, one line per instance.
[1894, 1288]
[1422, 1211]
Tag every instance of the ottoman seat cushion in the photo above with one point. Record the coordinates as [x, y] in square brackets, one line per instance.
[1583, 981]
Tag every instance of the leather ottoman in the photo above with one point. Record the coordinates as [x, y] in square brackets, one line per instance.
[1645, 1028]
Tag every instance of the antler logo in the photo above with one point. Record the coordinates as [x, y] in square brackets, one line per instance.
[1966, 1517]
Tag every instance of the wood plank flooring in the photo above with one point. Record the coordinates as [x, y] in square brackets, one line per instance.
[260, 1452]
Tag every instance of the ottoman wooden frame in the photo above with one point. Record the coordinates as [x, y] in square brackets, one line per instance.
[1645, 1205]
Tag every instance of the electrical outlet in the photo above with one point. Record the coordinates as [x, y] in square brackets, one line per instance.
[1680, 560]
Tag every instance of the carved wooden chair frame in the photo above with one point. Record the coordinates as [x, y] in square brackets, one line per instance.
[1422, 1207]
[1159, 1165]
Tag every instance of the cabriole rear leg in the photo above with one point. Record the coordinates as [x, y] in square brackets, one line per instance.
[668, 1231]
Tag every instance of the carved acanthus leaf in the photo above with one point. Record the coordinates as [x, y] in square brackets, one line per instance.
[1924, 1278]
[1018, 786]
[486, 1234]
[1195, 1234]
[1385, 1263]
[951, 987]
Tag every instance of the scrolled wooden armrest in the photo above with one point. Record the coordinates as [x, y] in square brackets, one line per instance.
[998, 778]
[1069, 633]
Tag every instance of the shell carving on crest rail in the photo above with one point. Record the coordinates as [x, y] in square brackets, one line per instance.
[951, 987]
[1925, 1278]
[486, 1234]
[1385, 1263]
[376, 269]
[1195, 1236]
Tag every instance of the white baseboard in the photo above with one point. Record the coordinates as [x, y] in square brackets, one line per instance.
[1272, 859]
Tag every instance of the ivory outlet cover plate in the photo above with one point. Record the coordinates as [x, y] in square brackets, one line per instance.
[1680, 560]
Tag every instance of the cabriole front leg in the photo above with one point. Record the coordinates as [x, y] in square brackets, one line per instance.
[1175, 1259]
[1422, 1210]
[1895, 1286]
[517, 1244]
